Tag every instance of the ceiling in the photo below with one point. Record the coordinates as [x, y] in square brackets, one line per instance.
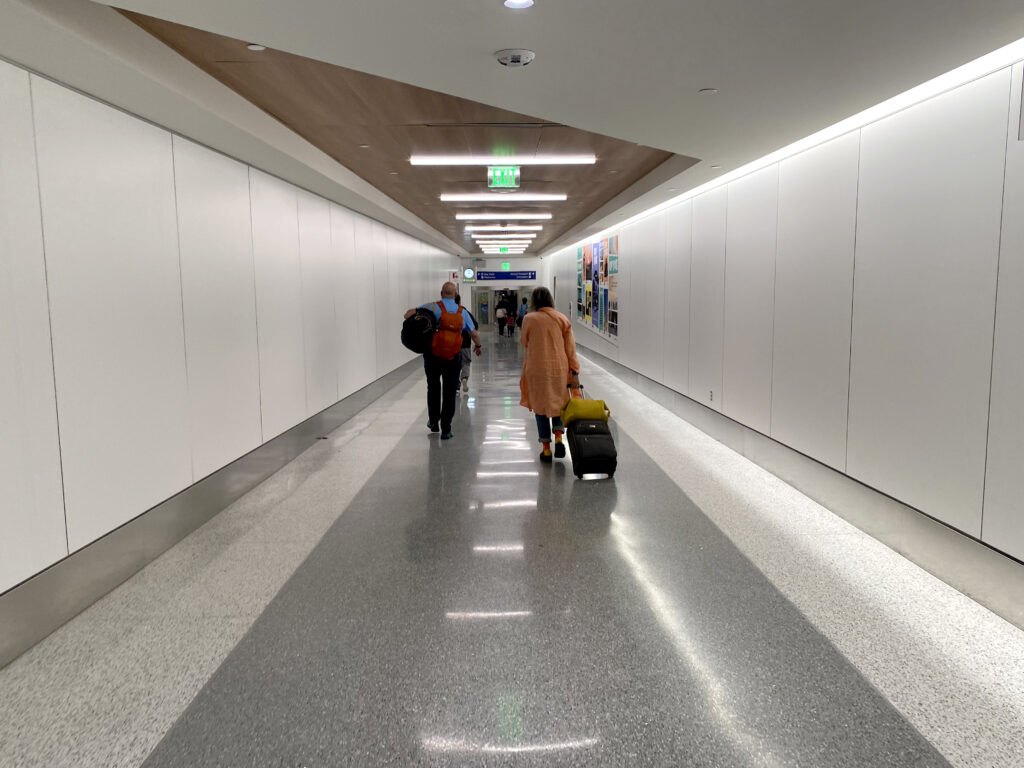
[783, 69]
[372, 125]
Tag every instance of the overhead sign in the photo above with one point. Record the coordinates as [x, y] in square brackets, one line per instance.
[505, 265]
[532, 275]
[503, 176]
[468, 275]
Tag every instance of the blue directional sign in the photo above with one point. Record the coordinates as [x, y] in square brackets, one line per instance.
[506, 275]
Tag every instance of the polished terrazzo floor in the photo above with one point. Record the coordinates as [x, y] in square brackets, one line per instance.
[389, 599]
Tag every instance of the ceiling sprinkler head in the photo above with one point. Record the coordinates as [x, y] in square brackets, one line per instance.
[514, 57]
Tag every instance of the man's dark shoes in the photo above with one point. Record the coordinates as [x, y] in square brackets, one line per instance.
[559, 450]
[447, 435]
[433, 427]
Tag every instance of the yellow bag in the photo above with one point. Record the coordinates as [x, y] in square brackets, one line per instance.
[577, 408]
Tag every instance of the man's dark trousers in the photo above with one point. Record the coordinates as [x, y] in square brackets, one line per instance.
[442, 381]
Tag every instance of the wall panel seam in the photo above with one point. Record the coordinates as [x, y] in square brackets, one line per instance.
[181, 297]
[689, 313]
[255, 304]
[775, 299]
[995, 304]
[49, 308]
[301, 309]
[725, 299]
[853, 299]
[334, 305]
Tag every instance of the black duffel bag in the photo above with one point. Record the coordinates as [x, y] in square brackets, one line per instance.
[418, 331]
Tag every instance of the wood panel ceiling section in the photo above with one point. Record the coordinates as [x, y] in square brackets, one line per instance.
[338, 109]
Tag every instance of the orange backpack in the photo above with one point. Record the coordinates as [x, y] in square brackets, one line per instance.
[447, 341]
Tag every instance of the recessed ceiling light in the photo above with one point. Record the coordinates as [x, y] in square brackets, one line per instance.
[708, 91]
[518, 4]
[716, 166]
[502, 216]
[504, 228]
[491, 197]
[256, 47]
[393, 173]
[364, 146]
[673, 189]
[500, 160]
[612, 171]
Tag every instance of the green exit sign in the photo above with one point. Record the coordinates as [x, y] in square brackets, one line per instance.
[503, 176]
[505, 265]
[503, 250]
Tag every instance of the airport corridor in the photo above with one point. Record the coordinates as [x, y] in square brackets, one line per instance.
[392, 599]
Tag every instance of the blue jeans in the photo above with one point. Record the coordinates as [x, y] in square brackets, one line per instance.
[545, 425]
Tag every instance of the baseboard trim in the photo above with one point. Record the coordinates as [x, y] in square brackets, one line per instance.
[970, 566]
[43, 603]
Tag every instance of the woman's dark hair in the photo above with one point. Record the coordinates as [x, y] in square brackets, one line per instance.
[541, 297]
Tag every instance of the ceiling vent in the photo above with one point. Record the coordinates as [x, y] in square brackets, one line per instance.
[514, 57]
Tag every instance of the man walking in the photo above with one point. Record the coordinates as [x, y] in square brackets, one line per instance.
[444, 361]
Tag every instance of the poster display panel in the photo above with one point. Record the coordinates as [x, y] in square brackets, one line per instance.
[597, 286]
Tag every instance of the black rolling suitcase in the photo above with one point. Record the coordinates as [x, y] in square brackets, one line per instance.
[592, 448]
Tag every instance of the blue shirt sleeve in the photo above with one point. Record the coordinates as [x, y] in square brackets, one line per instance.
[467, 322]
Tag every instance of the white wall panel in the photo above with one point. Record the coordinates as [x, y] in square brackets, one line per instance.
[641, 341]
[371, 240]
[219, 300]
[750, 298]
[1003, 524]
[347, 297]
[365, 283]
[32, 534]
[320, 326]
[678, 255]
[707, 296]
[814, 298]
[275, 235]
[107, 188]
[929, 208]
[405, 269]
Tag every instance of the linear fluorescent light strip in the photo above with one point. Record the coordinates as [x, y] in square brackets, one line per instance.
[500, 228]
[481, 238]
[509, 160]
[973, 70]
[498, 197]
[503, 235]
[502, 216]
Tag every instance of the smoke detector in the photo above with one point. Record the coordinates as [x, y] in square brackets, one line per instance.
[514, 57]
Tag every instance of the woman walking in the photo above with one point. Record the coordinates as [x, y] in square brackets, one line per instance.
[549, 365]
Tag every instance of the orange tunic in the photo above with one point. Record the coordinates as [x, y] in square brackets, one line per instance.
[550, 355]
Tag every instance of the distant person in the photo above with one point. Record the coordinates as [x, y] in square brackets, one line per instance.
[550, 366]
[444, 360]
[467, 355]
[523, 309]
[499, 317]
[510, 323]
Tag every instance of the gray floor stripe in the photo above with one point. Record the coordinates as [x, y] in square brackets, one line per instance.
[459, 615]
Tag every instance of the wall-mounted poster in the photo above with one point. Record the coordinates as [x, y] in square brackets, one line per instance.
[597, 286]
[579, 283]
